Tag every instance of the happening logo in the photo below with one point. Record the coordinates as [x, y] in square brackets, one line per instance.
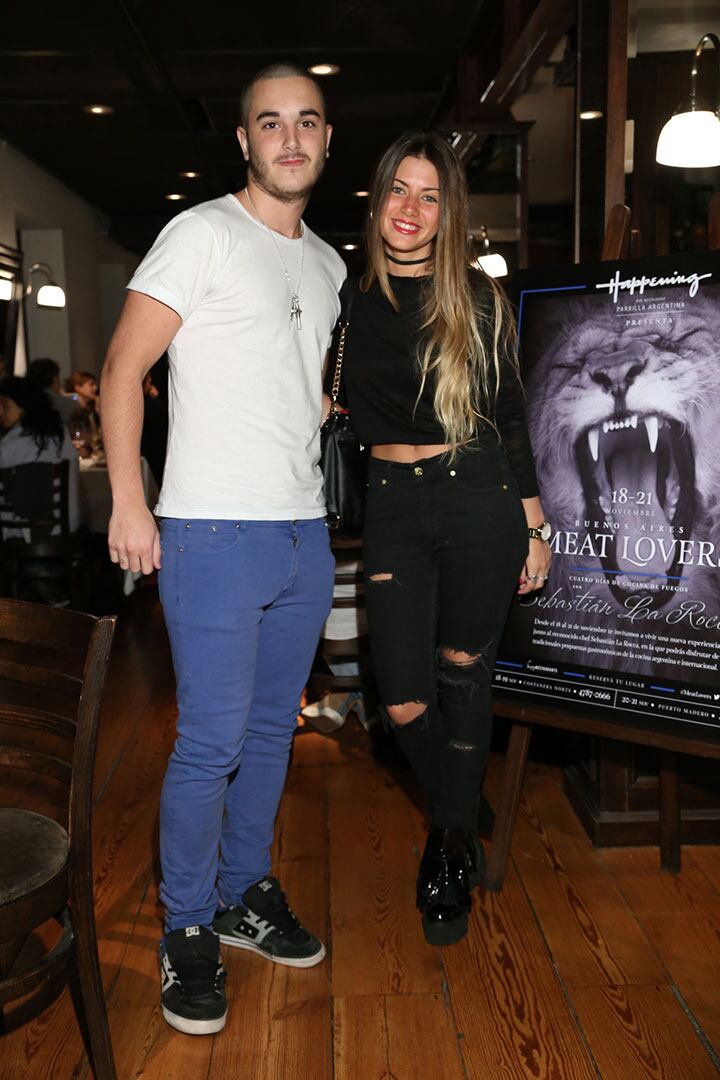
[638, 285]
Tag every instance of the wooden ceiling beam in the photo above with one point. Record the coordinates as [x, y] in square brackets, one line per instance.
[533, 48]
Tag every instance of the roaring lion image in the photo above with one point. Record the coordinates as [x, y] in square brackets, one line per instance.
[624, 414]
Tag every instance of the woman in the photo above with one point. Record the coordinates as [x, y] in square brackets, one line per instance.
[34, 432]
[453, 517]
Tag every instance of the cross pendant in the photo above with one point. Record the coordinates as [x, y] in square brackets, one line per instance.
[296, 312]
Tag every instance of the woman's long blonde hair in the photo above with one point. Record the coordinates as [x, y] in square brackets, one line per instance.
[457, 327]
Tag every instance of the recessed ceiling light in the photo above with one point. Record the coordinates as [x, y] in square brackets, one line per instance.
[98, 110]
[324, 69]
[591, 114]
[176, 196]
[190, 175]
[350, 247]
[361, 194]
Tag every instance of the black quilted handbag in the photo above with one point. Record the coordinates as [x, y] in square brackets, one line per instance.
[343, 460]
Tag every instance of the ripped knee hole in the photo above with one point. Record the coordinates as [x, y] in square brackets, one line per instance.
[381, 577]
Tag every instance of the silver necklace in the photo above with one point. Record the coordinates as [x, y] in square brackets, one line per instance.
[295, 309]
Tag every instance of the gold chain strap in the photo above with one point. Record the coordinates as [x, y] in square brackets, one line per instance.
[338, 366]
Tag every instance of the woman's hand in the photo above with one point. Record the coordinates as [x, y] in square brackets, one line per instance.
[536, 568]
[537, 565]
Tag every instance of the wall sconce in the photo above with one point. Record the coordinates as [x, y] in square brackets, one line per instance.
[691, 137]
[49, 295]
[492, 262]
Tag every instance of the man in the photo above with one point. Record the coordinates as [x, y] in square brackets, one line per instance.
[244, 297]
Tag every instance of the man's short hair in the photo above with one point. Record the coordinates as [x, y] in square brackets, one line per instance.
[43, 372]
[275, 71]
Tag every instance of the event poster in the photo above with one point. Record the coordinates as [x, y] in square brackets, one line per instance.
[621, 364]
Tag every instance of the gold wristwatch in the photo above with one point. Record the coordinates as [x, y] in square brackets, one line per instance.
[540, 532]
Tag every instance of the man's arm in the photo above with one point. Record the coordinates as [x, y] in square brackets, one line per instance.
[144, 330]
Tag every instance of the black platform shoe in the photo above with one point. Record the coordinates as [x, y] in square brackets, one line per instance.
[429, 863]
[443, 893]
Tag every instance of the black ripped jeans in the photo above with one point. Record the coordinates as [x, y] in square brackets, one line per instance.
[453, 538]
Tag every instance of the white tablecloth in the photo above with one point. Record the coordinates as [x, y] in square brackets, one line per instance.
[96, 503]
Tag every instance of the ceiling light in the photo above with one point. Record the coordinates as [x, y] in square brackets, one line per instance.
[98, 110]
[175, 196]
[324, 69]
[350, 247]
[691, 137]
[6, 288]
[361, 194]
[591, 114]
[190, 175]
[50, 295]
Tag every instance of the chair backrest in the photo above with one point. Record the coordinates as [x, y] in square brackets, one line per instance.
[349, 590]
[34, 498]
[52, 671]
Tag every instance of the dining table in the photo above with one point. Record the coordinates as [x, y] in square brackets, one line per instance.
[96, 502]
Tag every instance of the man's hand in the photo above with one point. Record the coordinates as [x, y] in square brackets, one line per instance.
[133, 539]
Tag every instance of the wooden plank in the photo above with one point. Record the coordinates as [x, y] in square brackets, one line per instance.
[506, 997]
[360, 1035]
[590, 929]
[147, 1047]
[422, 1040]
[680, 917]
[405, 1037]
[641, 1031]
[378, 944]
[48, 1045]
[707, 860]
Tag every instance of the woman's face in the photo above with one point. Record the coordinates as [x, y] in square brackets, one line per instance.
[87, 391]
[10, 412]
[411, 213]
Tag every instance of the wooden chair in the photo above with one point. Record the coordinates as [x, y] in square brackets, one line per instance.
[353, 650]
[35, 529]
[52, 671]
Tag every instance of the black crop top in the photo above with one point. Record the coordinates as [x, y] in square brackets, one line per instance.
[381, 379]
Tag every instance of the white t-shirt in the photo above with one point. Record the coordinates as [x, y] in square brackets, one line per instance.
[245, 384]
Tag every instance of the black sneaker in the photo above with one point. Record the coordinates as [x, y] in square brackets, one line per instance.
[193, 981]
[265, 924]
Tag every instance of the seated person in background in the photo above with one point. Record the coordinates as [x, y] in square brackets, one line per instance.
[35, 432]
[45, 373]
[84, 385]
[153, 443]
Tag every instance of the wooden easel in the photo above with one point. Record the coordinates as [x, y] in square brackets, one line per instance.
[665, 736]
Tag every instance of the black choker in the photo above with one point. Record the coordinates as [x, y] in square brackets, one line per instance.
[407, 262]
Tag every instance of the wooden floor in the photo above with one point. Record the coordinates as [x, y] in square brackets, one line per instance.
[589, 964]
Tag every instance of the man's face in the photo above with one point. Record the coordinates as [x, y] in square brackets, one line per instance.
[286, 139]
